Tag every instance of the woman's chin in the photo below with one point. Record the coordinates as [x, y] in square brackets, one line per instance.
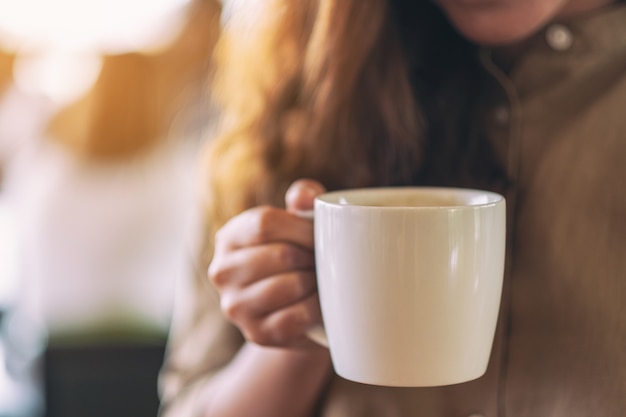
[499, 25]
[495, 35]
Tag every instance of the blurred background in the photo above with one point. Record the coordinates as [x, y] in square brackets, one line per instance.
[103, 110]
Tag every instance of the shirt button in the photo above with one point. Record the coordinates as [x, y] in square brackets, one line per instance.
[559, 37]
[501, 116]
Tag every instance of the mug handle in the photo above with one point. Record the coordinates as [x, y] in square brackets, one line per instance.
[316, 333]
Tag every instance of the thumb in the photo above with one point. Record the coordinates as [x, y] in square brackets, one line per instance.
[301, 194]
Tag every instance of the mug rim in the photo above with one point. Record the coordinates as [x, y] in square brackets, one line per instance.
[334, 198]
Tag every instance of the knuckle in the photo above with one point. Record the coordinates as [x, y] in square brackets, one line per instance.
[216, 274]
[292, 325]
[290, 291]
[265, 221]
[270, 333]
[287, 256]
[231, 307]
[297, 320]
[223, 236]
[262, 338]
[298, 286]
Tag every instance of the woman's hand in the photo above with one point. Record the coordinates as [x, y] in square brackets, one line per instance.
[264, 269]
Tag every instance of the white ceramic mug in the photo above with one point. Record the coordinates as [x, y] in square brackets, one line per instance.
[410, 281]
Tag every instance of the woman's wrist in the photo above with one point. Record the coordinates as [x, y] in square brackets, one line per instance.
[267, 381]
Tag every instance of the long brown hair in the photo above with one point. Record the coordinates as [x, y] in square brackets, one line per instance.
[310, 88]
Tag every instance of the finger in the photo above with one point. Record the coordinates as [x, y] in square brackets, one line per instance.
[263, 225]
[289, 325]
[301, 194]
[247, 265]
[278, 292]
[250, 305]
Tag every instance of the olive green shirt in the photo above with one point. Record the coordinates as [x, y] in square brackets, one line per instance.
[557, 123]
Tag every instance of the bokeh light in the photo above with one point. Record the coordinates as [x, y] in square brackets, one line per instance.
[111, 25]
[58, 43]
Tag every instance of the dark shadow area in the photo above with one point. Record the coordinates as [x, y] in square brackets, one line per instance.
[102, 381]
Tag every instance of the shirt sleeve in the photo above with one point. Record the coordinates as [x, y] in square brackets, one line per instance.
[201, 342]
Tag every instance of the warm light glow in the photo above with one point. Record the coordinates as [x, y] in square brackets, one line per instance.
[85, 24]
[62, 77]
[59, 42]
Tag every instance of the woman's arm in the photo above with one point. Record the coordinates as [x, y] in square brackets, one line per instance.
[263, 271]
[270, 382]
